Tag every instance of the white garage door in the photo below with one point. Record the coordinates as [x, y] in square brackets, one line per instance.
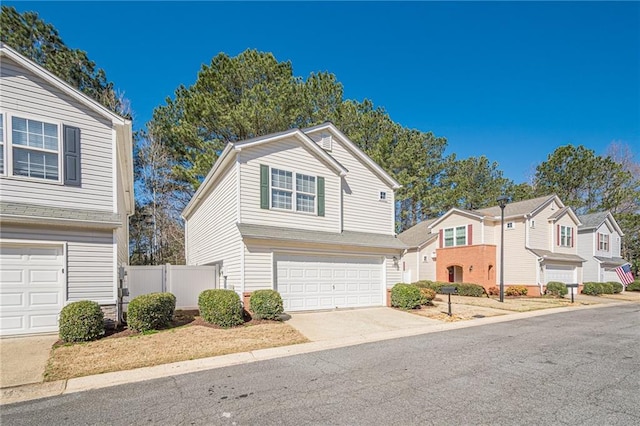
[31, 289]
[311, 282]
[561, 273]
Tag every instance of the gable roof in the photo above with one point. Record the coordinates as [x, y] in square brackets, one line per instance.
[418, 234]
[356, 151]
[522, 208]
[457, 210]
[233, 148]
[592, 221]
[49, 77]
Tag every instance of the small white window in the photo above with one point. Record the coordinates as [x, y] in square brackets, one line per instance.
[510, 225]
[532, 224]
[383, 196]
[35, 148]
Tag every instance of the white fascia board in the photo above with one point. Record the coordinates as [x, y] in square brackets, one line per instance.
[452, 211]
[297, 133]
[209, 180]
[358, 152]
[61, 84]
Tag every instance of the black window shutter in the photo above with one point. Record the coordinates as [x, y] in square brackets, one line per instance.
[264, 186]
[71, 155]
[320, 196]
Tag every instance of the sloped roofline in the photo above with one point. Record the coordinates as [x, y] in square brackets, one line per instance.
[356, 151]
[231, 150]
[56, 81]
[612, 219]
[457, 210]
[546, 203]
[567, 210]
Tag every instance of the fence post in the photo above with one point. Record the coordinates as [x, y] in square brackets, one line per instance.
[166, 281]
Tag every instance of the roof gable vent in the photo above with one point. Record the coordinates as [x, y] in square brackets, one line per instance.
[326, 142]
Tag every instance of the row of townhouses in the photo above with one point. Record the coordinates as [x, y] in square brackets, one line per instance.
[305, 212]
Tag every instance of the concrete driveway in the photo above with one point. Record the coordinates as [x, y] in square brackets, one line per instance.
[337, 324]
[23, 359]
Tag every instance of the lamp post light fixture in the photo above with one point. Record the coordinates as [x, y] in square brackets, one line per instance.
[502, 202]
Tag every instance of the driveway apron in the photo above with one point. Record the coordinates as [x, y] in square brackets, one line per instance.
[23, 359]
[336, 324]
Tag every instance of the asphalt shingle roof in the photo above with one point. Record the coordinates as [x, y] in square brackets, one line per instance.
[592, 220]
[546, 254]
[347, 238]
[33, 211]
[517, 208]
[417, 234]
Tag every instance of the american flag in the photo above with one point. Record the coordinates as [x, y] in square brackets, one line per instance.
[625, 274]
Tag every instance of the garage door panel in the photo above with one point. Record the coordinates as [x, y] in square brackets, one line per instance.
[31, 288]
[332, 282]
[561, 273]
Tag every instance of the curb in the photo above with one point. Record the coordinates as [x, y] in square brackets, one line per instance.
[80, 384]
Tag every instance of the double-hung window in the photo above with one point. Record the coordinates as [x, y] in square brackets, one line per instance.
[29, 148]
[305, 193]
[603, 242]
[300, 197]
[566, 236]
[281, 189]
[455, 236]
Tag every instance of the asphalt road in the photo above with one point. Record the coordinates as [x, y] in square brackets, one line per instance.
[577, 368]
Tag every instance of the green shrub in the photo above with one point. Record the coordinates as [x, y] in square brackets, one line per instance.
[81, 321]
[634, 286]
[427, 295]
[555, 288]
[617, 287]
[435, 286]
[221, 307]
[151, 311]
[467, 289]
[592, 288]
[607, 288]
[406, 296]
[266, 304]
[516, 290]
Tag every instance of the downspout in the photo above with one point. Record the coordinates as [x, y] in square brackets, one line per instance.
[527, 234]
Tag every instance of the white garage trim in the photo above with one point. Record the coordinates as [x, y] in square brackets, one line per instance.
[20, 313]
[321, 281]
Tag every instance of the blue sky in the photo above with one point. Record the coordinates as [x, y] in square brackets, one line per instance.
[509, 80]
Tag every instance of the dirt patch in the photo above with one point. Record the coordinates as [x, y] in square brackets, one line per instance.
[629, 296]
[125, 349]
[515, 304]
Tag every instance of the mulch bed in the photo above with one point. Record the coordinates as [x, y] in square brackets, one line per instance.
[187, 318]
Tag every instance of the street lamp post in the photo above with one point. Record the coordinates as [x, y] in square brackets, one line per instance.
[502, 202]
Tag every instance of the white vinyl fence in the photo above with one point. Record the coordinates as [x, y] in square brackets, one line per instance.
[185, 282]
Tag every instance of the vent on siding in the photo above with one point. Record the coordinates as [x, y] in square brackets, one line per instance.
[326, 142]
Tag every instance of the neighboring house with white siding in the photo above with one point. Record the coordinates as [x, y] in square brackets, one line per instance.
[599, 242]
[304, 212]
[464, 246]
[66, 192]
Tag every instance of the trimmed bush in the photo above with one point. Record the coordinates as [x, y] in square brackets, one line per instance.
[592, 288]
[516, 290]
[607, 288]
[634, 286]
[221, 307]
[81, 321]
[555, 288]
[617, 287]
[266, 304]
[151, 311]
[467, 289]
[493, 291]
[427, 295]
[406, 296]
[435, 286]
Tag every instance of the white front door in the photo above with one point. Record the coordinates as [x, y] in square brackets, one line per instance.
[31, 288]
[328, 282]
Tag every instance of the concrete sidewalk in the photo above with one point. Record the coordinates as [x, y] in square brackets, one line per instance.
[42, 390]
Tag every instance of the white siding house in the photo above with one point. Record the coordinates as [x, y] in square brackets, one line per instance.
[599, 241]
[66, 193]
[304, 212]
